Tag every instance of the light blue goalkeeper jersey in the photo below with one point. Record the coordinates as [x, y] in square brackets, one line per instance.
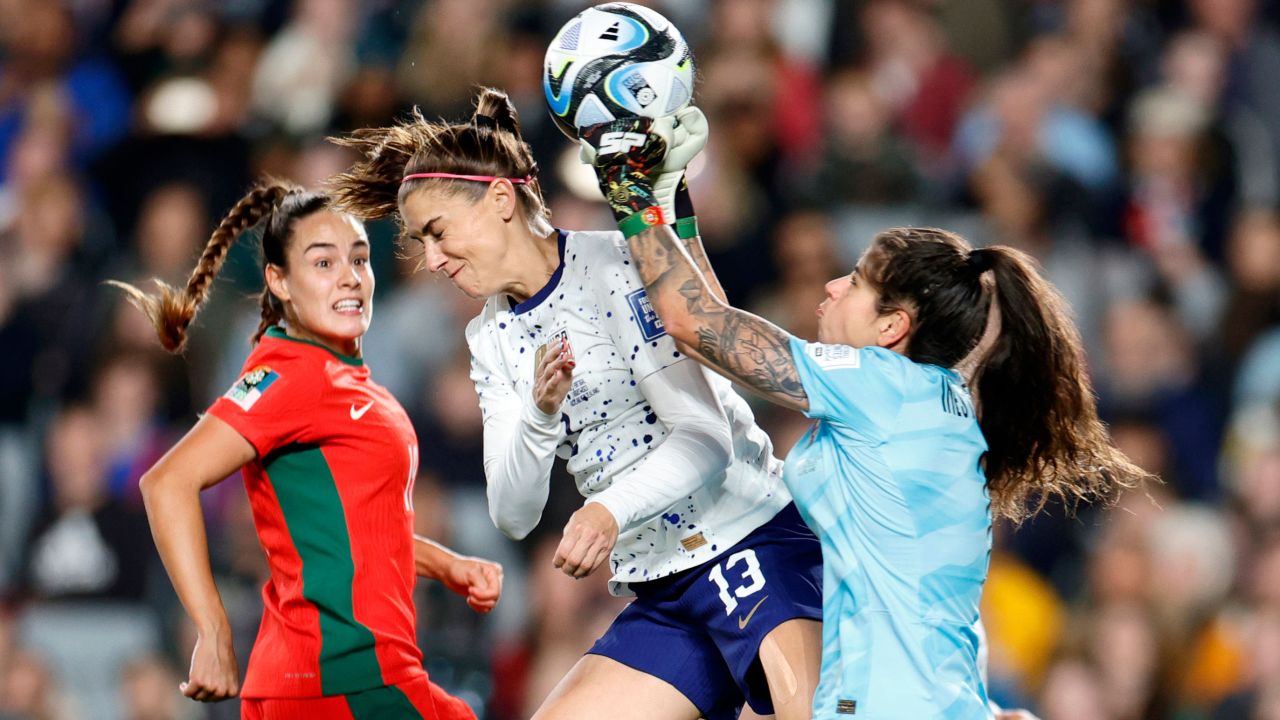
[890, 481]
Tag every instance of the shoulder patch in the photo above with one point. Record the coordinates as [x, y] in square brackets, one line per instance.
[831, 357]
[646, 317]
[251, 386]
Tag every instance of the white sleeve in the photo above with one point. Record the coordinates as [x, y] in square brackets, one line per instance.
[698, 447]
[519, 448]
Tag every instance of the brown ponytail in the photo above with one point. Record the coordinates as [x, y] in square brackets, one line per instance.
[272, 313]
[496, 106]
[1035, 402]
[171, 310]
[489, 144]
[1039, 414]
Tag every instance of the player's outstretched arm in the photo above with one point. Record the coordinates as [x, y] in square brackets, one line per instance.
[744, 347]
[476, 579]
[206, 455]
[688, 137]
[628, 155]
[688, 133]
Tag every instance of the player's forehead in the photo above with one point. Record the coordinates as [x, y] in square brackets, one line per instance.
[328, 228]
[870, 265]
[431, 205]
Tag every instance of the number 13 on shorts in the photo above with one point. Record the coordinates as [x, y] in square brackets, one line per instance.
[749, 581]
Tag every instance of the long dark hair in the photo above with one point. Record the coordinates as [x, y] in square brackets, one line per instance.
[172, 311]
[1036, 403]
[489, 144]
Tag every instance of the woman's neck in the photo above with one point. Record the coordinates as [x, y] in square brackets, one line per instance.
[533, 263]
[351, 347]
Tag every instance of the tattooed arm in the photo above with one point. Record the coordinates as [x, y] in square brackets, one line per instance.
[698, 254]
[693, 246]
[744, 347]
[737, 344]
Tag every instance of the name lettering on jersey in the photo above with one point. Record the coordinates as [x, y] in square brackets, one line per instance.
[646, 317]
[251, 386]
[954, 402]
[831, 357]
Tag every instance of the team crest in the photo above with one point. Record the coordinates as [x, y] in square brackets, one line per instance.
[561, 334]
[251, 386]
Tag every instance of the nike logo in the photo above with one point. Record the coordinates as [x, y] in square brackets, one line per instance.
[357, 414]
[742, 622]
[552, 86]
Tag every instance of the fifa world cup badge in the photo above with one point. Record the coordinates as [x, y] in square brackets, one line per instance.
[246, 391]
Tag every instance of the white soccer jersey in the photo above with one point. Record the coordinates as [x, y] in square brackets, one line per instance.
[607, 425]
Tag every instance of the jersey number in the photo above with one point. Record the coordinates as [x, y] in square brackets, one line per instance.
[413, 475]
[751, 574]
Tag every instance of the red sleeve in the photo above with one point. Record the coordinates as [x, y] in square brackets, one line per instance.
[273, 404]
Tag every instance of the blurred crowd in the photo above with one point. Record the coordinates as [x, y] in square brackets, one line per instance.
[1131, 146]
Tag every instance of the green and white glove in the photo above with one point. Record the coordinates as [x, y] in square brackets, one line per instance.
[688, 138]
[686, 132]
[627, 155]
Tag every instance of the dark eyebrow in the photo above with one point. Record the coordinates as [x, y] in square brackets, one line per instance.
[331, 246]
[426, 228]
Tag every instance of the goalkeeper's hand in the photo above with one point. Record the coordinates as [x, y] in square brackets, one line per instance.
[627, 155]
[686, 132]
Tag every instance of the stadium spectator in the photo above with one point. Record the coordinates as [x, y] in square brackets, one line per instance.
[122, 123]
[85, 543]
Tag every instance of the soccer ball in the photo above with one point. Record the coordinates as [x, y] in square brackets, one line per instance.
[613, 61]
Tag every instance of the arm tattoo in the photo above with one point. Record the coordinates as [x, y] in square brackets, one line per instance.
[751, 349]
[748, 348]
[693, 246]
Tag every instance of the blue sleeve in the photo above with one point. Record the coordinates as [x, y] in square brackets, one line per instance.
[859, 388]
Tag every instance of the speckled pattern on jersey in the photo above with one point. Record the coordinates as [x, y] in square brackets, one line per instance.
[596, 299]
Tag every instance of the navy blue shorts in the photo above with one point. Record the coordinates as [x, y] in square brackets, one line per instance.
[700, 629]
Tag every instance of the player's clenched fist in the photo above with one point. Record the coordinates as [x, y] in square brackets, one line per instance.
[479, 581]
[553, 377]
[628, 156]
[589, 537]
[214, 674]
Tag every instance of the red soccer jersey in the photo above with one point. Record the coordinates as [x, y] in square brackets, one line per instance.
[330, 493]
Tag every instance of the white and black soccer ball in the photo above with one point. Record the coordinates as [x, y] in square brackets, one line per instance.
[613, 61]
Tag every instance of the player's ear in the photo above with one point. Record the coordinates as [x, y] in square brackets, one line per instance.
[277, 283]
[502, 198]
[894, 327]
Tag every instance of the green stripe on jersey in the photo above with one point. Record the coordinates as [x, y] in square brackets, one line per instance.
[317, 525]
[384, 703]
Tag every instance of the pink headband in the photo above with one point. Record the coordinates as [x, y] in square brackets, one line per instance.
[474, 178]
